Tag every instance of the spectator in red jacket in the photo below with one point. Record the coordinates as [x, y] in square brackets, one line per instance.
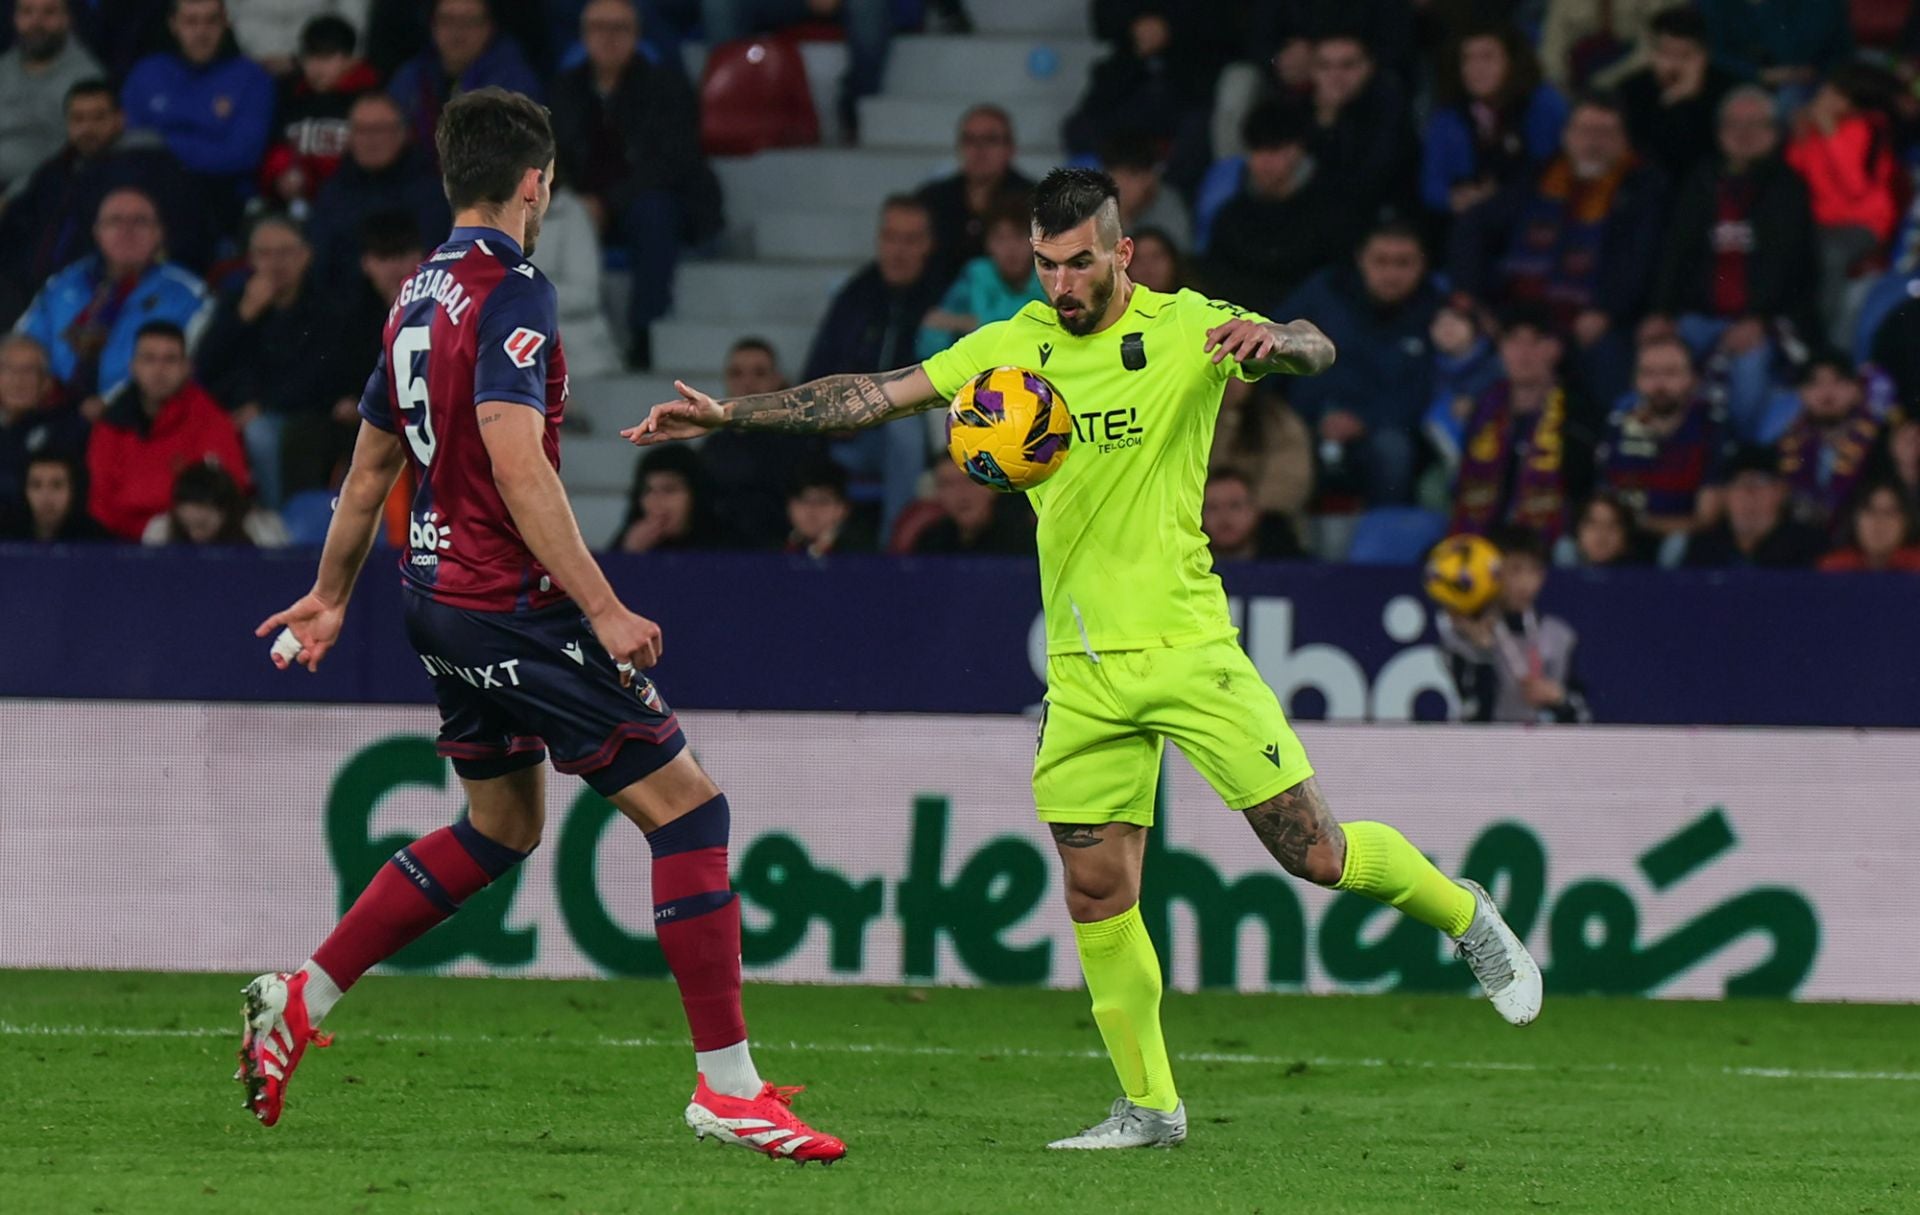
[1844, 148]
[160, 423]
[1882, 536]
[311, 124]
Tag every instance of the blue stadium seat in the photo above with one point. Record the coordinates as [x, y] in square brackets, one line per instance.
[307, 515]
[1396, 535]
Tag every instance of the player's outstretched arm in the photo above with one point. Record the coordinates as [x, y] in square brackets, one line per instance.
[515, 438]
[1265, 347]
[315, 618]
[834, 402]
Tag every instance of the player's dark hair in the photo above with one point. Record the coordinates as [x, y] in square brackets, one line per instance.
[390, 233]
[1514, 540]
[327, 35]
[1680, 21]
[162, 329]
[820, 473]
[1067, 198]
[1273, 124]
[487, 140]
[92, 86]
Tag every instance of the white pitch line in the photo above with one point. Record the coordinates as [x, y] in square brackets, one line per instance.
[9, 1029]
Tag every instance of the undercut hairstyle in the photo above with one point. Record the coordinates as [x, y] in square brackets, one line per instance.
[92, 87]
[1067, 198]
[487, 140]
[754, 343]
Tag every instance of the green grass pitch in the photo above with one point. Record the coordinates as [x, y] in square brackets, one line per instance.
[467, 1095]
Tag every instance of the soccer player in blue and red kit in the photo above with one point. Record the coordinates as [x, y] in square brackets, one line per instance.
[528, 648]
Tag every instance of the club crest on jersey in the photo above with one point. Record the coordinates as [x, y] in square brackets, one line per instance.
[522, 344]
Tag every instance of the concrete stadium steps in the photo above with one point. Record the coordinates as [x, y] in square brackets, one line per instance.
[600, 462]
[843, 181]
[916, 122]
[820, 179]
[983, 67]
[1062, 18]
[704, 343]
[610, 404]
[836, 237]
[599, 514]
[746, 290]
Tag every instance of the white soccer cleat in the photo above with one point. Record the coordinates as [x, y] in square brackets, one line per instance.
[1507, 972]
[1130, 1126]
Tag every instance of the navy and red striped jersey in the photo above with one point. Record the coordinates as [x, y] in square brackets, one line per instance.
[474, 323]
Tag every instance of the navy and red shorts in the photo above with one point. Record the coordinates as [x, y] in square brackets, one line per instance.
[514, 686]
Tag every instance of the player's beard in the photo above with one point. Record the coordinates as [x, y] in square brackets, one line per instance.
[1086, 318]
[533, 233]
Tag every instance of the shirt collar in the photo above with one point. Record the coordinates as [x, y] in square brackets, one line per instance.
[482, 232]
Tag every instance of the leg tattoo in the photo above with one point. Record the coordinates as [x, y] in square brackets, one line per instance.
[1076, 835]
[1300, 832]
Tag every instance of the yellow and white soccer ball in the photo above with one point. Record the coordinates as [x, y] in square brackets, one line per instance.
[1463, 574]
[1009, 429]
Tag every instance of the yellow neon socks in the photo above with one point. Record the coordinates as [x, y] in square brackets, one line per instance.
[1381, 864]
[1123, 977]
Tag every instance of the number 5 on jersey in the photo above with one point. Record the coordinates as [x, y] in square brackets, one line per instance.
[410, 378]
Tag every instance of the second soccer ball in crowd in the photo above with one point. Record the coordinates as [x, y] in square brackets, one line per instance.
[1009, 429]
[1463, 574]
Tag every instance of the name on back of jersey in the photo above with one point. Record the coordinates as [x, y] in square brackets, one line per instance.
[437, 285]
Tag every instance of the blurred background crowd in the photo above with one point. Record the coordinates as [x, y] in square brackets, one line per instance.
[1621, 281]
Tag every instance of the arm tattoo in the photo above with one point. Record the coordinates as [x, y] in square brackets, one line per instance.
[835, 402]
[1292, 823]
[1076, 835]
[1304, 350]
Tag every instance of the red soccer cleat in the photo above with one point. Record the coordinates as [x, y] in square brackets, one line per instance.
[763, 1123]
[276, 1034]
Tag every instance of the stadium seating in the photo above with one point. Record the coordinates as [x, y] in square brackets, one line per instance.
[1395, 535]
[754, 96]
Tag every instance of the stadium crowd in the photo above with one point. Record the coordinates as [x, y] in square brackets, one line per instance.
[1626, 282]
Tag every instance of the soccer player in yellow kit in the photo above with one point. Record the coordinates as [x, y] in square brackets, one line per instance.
[1139, 645]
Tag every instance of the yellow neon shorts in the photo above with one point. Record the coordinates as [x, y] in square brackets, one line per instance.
[1104, 723]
